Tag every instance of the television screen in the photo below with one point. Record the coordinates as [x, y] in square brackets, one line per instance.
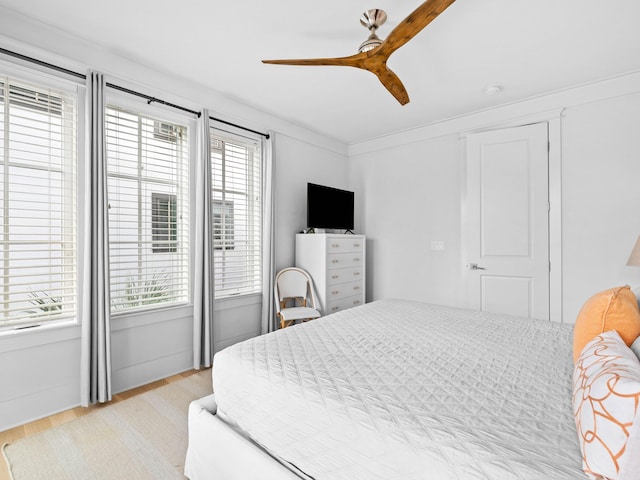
[329, 207]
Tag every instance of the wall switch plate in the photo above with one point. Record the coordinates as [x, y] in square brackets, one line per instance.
[437, 245]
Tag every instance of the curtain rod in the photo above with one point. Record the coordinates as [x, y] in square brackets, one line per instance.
[42, 64]
[149, 98]
[265, 135]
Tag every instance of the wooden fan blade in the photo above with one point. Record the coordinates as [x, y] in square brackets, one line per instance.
[375, 60]
[351, 61]
[374, 64]
[392, 83]
[412, 25]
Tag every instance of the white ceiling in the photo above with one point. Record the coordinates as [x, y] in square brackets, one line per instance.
[528, 47]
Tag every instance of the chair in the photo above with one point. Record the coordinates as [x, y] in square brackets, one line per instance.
[294, 286]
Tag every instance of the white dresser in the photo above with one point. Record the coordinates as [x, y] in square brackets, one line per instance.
[336, 264]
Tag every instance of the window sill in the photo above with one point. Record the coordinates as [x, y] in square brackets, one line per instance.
[229, 303]
[122, 321]
[41, 335]
[11, 340]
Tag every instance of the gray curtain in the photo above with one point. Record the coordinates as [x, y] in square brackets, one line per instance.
[203, 276]
[268, 235]
[95, 375]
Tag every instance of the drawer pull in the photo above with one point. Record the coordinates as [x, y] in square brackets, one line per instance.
[334, 261]
[356, 302]
[334, 309]
[356, 244]
[335, 292]
[356, 273]
[335, 276]
[356, 259]
[356, 288]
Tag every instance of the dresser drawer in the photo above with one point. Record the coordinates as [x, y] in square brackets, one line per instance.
[343, 245]
[335, 292]
[342, 275]
[337, 264]
[343, 304]
[344, 260]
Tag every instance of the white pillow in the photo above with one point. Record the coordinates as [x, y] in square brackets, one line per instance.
[636, 292]
[606, 395]
[635, 347]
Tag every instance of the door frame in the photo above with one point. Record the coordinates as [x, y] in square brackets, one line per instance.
[554, 127]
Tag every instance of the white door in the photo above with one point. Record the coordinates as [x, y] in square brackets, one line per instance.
[507, 223]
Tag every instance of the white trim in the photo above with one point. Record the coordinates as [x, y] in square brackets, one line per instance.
[230, 303]
[13, 340]
[315, 142]
[51, 78]
[555, 218]
[127, 320]
[538, 117]
[464, 219]
[141, 106]
[544, 103]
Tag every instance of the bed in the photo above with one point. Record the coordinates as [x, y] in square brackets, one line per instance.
[392, 390]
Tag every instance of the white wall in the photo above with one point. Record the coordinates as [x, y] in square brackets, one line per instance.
[300, 162]
[410, 191]
[406, 197]
[39, 374]
[39, 369]
[600, 197]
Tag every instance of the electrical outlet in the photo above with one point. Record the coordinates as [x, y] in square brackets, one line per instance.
[437, 245]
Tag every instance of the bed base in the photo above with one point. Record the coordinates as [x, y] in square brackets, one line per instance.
[218, 451]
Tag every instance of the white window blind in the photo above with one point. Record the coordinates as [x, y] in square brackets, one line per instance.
[37, 204]
[236, 169]
[148, 197]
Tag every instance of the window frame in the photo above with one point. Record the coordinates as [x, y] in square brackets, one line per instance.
[254, 190]
[73, 271]
[223, 224]
[164, 228]
[140, 107]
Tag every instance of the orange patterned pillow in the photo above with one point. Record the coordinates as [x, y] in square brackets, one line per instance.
[614, 309]
[606, 398]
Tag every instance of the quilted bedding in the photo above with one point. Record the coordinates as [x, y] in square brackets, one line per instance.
[405, 390]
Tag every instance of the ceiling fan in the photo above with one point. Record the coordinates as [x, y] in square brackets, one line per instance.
[374, 53]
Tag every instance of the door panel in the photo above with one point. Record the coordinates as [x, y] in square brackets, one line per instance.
[507, 228]
[504, 174]
[509, 295]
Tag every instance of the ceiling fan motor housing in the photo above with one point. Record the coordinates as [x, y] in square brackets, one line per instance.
[371, 20]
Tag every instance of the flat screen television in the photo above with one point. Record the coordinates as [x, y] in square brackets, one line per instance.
[329, 207]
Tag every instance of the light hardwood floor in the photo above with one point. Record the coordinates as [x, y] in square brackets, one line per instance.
[46, 423]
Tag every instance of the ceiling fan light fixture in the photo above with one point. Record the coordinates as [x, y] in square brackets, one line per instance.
[370, 43]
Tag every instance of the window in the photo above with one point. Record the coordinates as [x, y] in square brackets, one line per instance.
[222, 225]
[236, 169]
[37, 204]
[164, 223]
[148, 196]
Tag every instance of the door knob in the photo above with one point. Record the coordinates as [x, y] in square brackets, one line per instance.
[474, 266]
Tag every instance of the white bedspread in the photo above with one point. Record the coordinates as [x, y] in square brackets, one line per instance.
[405, 390]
